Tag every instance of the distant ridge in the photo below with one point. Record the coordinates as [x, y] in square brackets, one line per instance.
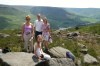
[13, 16]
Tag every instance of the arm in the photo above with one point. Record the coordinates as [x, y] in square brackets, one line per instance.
[35, 26]
[49, 30]
[41, 49]
[32, 30]
[35, 48]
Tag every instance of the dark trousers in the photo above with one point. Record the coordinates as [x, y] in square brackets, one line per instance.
[37, 33]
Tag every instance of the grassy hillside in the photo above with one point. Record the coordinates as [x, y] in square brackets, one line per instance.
[14, 41]
[93, 43]
[89, 12]
[94, 29]
[62, 18]
[12, 17]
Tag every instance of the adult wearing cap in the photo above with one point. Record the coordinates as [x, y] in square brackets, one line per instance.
[38, 26]
[28, 34]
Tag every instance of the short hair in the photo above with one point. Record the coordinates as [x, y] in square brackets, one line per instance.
[28, 17]
[39, 36]
[39, 14]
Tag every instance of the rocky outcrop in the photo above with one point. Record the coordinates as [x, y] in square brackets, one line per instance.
[73, 34]
[17, 59]
[79, 63]
[83, 48]
[59, 52]
[4, 35]
[19, 35]
[28, 59]
[90, 59]
[61, 62]
[81, 45]
[98, 57]
[87, 58]
[57, 62]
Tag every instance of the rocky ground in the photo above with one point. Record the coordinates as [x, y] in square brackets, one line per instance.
[84, 47]
[29, 59]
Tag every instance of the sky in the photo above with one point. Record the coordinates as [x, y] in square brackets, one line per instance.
[55, 3]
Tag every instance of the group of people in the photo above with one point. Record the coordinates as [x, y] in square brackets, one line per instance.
[40, 30]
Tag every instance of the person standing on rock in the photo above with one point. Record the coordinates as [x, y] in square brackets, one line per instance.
[28, 34]
[38, 26]
[46, 32]
[38, 49]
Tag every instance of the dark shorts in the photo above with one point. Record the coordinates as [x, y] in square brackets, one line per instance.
[37, 33]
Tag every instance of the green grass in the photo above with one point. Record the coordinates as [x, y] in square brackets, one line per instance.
[94, 29]
[14, 42]
[92, 20]
[16, 45]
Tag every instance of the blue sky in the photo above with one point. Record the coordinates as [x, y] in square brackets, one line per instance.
[55, 3]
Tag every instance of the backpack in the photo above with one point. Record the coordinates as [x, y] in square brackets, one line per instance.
[6, 50]
[69, 55]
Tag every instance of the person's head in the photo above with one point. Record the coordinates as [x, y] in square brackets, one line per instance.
[28, 18]
[39, 17]
[39, 38]
[45, 20]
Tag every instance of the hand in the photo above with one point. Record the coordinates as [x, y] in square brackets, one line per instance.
[31, 38]
[50, 36]
[39, 58]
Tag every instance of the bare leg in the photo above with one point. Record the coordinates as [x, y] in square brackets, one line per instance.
[25, 43]
[46, 44]
[31, 46]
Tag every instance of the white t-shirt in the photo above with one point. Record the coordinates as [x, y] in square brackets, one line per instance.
[38, 50]
[38, 25]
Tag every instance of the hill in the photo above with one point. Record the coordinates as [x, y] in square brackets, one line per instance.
[94, 29]
[62, 18]
[89, 12]
[12, 17]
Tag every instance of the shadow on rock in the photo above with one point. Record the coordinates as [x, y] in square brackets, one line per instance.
[35, 59]
[3, 63]
[42, 63]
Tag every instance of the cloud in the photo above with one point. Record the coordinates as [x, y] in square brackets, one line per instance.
[55, 3]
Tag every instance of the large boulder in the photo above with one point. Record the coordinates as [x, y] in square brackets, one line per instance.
[79, 63]
[17, 59]
[90, 59]
[28, 59]
[84, 51]
[4, 35]
[98, 57]
[61, 62]
[73, 34]
[83, 48]
[59, 52]
[57, 62]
